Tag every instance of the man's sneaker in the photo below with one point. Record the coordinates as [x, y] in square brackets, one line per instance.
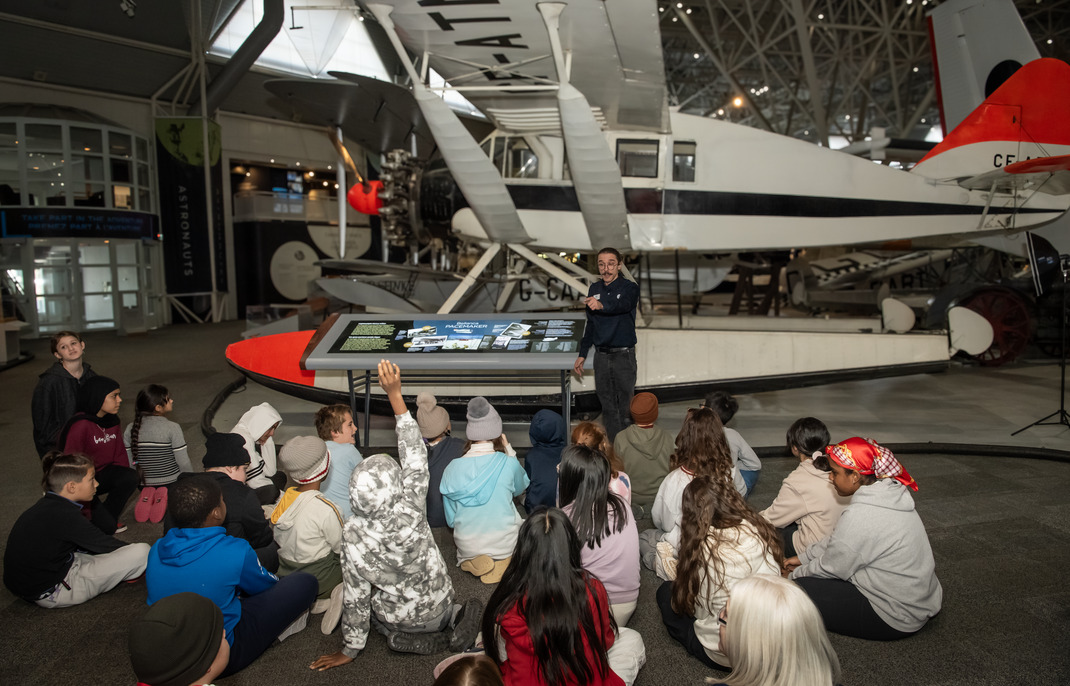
[333, 613]
[297, 625]
[420, 644]
[120, 527]
[466, 625]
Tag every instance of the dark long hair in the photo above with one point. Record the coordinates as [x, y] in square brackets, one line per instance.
[712, 509]
[810, 435]
[559, 601]
[147, 399]
[583, 482]
[701, 446]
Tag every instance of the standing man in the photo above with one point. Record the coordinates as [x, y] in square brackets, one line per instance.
[610, 329]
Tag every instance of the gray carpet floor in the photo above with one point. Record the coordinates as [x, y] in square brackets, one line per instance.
[999, 526]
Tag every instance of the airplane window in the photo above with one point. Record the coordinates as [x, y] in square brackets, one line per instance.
[683, 161]
[638, 158]
[522, 161]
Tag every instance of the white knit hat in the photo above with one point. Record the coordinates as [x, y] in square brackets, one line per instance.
[305, 459]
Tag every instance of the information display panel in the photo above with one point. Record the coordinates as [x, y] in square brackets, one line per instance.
[526, 341]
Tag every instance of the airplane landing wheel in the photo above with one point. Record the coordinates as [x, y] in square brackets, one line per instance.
[1012, 326]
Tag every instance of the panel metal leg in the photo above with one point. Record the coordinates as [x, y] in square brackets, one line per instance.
[367, 407]
[566, 398]
[352, 399]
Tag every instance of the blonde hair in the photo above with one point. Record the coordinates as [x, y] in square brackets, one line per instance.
[775, 636]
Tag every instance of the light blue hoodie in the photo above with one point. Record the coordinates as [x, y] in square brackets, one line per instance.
[477, 495]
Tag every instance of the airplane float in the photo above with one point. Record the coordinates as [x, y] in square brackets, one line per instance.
[586, 153]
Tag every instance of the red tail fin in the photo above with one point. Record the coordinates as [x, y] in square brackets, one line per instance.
[1027, 117]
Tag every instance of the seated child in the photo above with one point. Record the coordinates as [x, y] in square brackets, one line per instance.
[56, 394]
[334, 425]
[477, 494]
[644, 449]
[604, 525]
[94, 431]
[395, 578]
[257, 426]
[548, 435]
[54, 556]
[594, 436]
[701, 450]
[722, 541]
[442, 449]
[874, 576]
[743, 456]
[547, 605]
[198, 555]
[225, 460]
[308, 526]
[179, 640]
[156, 445]
[807, 507]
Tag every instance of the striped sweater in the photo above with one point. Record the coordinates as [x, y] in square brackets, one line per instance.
[161, 450]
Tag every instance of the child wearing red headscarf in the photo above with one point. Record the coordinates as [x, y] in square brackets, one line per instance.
[874, 576]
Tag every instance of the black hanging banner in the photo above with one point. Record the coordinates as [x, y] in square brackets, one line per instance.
[184, 204]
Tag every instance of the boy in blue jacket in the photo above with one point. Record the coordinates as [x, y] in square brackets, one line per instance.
[198, 555]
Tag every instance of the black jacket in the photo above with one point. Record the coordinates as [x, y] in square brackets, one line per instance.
[41, 545]
[53, 403]
[245, 516]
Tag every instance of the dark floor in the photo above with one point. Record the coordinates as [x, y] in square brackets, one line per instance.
[999, 526]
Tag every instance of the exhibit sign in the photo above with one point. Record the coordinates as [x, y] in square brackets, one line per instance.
[184, 203]
[509, 341]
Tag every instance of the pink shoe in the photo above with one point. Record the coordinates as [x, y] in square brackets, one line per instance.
[159, 505]
[144, 503]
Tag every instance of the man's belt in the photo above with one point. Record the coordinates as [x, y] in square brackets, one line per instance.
[605, 350]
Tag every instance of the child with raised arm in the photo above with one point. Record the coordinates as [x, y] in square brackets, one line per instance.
[807, 507]
[54, 556]
[395, 578]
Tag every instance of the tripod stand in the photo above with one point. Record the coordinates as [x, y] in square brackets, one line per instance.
[1063, 417]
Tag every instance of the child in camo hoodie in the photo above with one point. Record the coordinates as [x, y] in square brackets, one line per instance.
[395, 578]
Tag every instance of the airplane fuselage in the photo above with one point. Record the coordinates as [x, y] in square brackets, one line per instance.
[715, 186]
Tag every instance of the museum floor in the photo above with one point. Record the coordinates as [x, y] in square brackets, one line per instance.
[999, 525]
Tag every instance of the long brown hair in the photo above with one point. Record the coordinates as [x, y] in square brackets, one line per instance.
[712, 510]
[594, 436]
[701, 446]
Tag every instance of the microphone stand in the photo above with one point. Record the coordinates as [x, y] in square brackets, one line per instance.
[1063, 417]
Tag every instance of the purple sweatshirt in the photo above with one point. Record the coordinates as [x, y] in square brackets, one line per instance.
[616, 561]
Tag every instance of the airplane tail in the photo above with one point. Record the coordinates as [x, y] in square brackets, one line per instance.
[1018, 133]
[977, 45]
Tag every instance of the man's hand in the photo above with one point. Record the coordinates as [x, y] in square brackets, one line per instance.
[578, 366]
[390, 382]
[333, 660]
[593, 303]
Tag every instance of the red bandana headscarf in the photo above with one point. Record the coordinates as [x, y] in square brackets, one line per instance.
[864, 456]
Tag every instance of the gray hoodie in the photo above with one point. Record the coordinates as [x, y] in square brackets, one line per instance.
[880, 545]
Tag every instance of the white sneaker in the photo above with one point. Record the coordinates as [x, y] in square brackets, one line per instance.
[333, 614]
[320, 606]
[297, 625]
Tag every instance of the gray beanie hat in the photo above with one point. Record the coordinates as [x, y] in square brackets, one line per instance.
[433, 420]
[484, 424]
[305, 459]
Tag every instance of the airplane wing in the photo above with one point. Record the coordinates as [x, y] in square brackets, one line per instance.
[614, 49]
[1042, 174]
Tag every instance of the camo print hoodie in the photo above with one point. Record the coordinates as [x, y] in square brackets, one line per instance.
[390, 563]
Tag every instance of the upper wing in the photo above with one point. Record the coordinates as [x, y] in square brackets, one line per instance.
[501, 48]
